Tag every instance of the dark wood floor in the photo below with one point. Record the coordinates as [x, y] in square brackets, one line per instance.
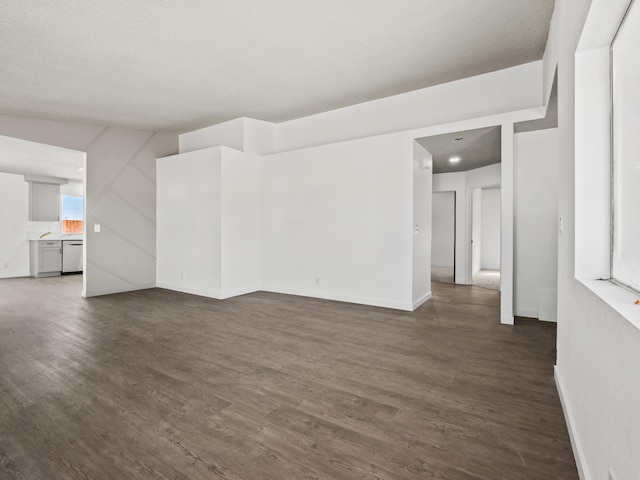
[162, 385]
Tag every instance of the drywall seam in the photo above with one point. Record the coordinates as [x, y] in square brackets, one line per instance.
[134, 207]
[95, 140]
[113, 231]
[142, 172]
[107, 187]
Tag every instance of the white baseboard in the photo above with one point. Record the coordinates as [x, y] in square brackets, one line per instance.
[237, 292]
[578, 454]
[14, 274]
[526, 312]
[191, 291]
[532, 313]
[421, 300]
[374, 302]
[110, 291]
[507, 319]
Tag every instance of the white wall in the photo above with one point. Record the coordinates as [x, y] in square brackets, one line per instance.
[443, 229]
[119, 195]
[598, 347]
[240, 226]
[462, 183]
[243, 134]
[189, 245]
[337, 221]
[476, 230]
[490, 235]
[508, 90]
[422, 193]
[15, 227]
[229, 134]
[536, 224]
[506, 225]
[208, 222]
[260, 138]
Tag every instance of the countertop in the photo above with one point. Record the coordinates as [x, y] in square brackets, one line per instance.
[56, 236]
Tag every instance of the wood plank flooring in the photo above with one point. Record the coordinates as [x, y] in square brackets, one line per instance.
[162, 385]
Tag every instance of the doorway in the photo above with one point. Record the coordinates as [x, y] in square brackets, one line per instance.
[465, 162]
[485, 237]
[443, 240]
[31, 219]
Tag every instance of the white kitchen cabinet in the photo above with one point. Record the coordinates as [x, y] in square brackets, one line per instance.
[45, 258]
[44, 202]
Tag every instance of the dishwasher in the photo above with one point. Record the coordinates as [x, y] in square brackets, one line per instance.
[72, 256]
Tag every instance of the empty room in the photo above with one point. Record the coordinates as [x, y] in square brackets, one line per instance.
[319, 239]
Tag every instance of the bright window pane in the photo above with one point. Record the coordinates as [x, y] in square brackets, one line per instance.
[626, 151]
[72, 214]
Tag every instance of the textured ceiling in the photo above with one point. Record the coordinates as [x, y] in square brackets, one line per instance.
[476, 148]
[177, 65]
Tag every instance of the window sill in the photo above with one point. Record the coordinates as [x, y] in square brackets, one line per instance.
[618, 298]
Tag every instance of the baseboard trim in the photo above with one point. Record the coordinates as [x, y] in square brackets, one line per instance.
[507, 319]
[526, 312]
[14, 275]
[111, 291]
[421, 300]
[237, 292]
[190, 291]
[373, 302]
[578, 453]
[408, 307]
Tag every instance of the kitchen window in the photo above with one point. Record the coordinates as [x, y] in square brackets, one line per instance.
[72, 214]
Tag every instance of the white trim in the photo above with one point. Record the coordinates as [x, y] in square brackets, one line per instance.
[618, 298]
[45, 179]
[506, 224]
[421, 300]
[507, 319]
[578, 452]
[191, 291]
[408, 306]
[239, 291]
[110, 291]
[526, 312]
[547, 320]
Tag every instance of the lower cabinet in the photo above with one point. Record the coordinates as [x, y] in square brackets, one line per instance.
[45, 258]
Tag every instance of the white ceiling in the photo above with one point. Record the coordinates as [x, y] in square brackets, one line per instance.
[31, 158]
[476, 148]
[177, 65]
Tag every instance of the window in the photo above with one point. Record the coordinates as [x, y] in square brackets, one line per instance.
[625, 89]
[72, 214]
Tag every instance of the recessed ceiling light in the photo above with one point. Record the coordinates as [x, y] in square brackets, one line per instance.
[81, 169]
[454, 159]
